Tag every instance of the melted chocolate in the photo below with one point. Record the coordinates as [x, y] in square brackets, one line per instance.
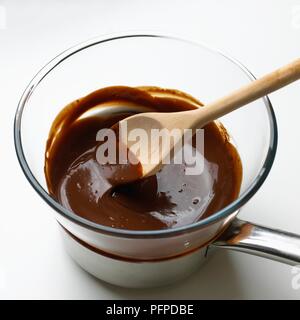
[166, 200]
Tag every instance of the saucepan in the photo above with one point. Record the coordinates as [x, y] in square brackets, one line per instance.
[153, 258]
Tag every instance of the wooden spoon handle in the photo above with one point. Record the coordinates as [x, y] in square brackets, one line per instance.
[256, 89]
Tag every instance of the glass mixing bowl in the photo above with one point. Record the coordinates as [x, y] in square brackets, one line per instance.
[144, 60]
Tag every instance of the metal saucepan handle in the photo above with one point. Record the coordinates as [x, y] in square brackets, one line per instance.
[261, 241]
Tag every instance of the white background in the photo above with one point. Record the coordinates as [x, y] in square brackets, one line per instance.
[261, 34]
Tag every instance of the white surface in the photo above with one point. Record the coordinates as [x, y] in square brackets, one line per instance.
[261, 34]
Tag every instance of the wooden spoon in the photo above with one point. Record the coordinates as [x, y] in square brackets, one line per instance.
[152, 159]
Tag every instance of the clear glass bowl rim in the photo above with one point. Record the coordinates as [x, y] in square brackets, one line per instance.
[221, 214]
